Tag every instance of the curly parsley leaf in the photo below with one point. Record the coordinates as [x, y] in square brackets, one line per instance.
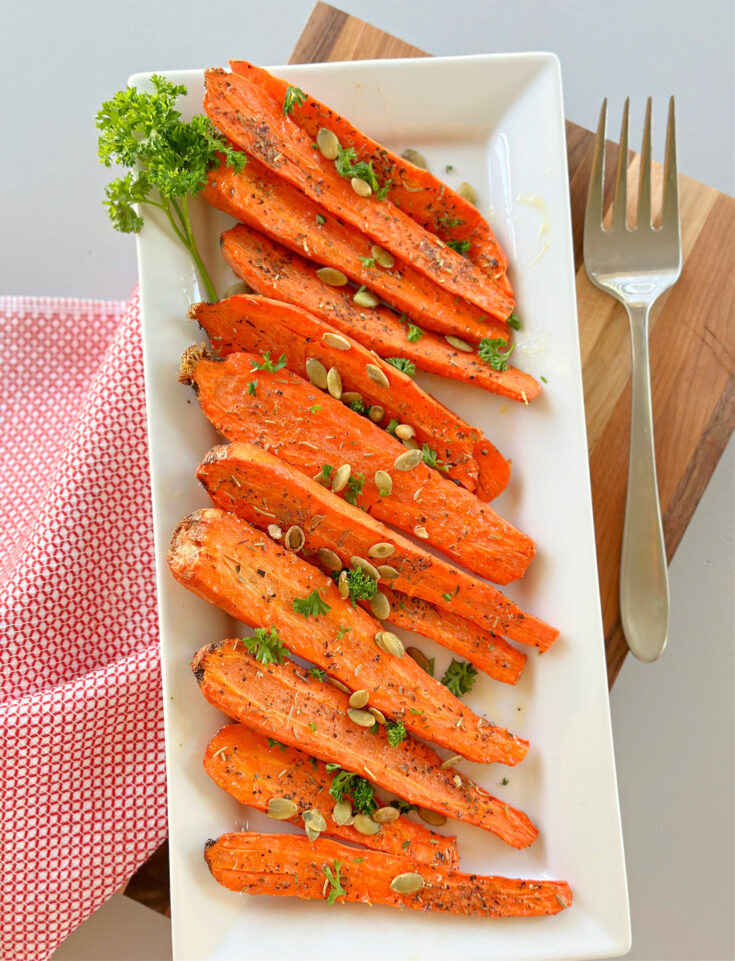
[354, 488]
[461, 246]
[318, 673]
[404, 364]
[266, 646]
[271, 366]
[414, 333]
[459, 677]
[311, 606]
[357, 405]
[490, 350]
[293, 98]
[396, 732]
[514, 322]
[346, 784]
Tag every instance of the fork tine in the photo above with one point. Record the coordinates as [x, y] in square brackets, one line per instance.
[643, 217]
[670, 211]
[593, 212]
[620, 203]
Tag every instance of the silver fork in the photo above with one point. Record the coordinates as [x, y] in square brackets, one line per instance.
[636, 266]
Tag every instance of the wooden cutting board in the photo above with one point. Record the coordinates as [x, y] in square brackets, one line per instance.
[691, 343]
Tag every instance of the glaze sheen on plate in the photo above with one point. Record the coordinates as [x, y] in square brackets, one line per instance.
[498, 120]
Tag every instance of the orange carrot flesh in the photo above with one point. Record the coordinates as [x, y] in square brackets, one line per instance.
[288, 866]
[242, 478]
[231, 564]
[279, 418]
[263, 201]
[256, 324]
[255, 772]
[281, 702]
[418, 193]
[253, 121]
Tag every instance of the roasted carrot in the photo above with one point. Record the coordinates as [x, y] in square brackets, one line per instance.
[231, 564]
[255, 770]
[280, 701]
[274, 271]
[255, 122]
[418, 193]
[262, 200]
[244, 479]
[288, 866]
[309, 429]
[256, 324]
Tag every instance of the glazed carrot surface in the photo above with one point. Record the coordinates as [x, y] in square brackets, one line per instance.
[326, 870]
[308, 429]
[282, 702]
[251, 119]
[255, 770]
[256, 324]
[246, 480]
[233, 565]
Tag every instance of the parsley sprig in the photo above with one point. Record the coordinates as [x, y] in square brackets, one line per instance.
[345, 783]
[294, 98]
[360, 585]
[459, 677]
[335, 883]
[404, 364]
[431, 459]
[272, 366]
[266, 646]
[490, 349]
[396, 732]
[354, 488]
[168, 160]
[313, 605]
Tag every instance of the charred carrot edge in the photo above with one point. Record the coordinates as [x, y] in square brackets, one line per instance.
[262, 200]
[279, 701]
[425, 199]
[255, 122]
[288, 866]
[239, 477]
[274, 271]
[309, 429]
[255, 769]
[256, 324]
[231, 564]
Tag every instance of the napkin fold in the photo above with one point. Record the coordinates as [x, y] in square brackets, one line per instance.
[82, 767]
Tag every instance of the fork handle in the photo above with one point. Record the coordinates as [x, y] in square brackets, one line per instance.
[644, 583]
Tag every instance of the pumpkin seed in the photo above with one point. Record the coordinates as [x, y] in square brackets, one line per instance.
[421, 659]
[387, 573]
[351, 397]
[408, 460]
[386, 815]
[326, 141]
[376, 374]
[343, 585]
[365, 566]
[421, 532]
[383, 481]
[408, 883]
[311, 834]
[415, 157]
[281, 809]
[321, 479]
[410, 444]
[295, 539]
[380, 605]
[342, 812]
[336, 340]
[240, 287]
[382, 549]
[432, 817]
[457, 780]
[382, 257]
[339, 685]
[315, 820]
[331, 276]
[459, 344]
[361, 188]
[340, 478]
[361, 718]
[329, 559]
[451, 761]
[359, 698]
[389, 643]
[364, 298]
[364, 824]
[467, 192]
[334, 383]
[376, 413]
[378, 715]
[275, 532]
[405, 431]
[316, 372]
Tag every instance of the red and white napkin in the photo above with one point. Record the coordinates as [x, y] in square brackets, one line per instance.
[82, 770]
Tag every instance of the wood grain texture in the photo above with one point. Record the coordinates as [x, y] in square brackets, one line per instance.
[692, 365]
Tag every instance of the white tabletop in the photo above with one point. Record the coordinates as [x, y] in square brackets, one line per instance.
[673, 720]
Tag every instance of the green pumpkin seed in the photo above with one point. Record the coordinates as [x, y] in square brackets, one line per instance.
[359, 698]
[382, 549]
[378, 715]
[408, 883]
[329, 559]
[383, 481]
[432, 817]
[387, 573]
[459, 344]
[343, 586]
[382, 257]
[405, 431]
[331, 276]
[365, 566]
[275, 532]
[468, 193]
[340, 478]
[364, 298]
[351, 397]
[376, 413]
[295, 539]
[421, 659]
[451, 761]
[316, 372]
[328, 144]
[421, 532]
[409, 460]
[388, 642]
[240, 287]
[376, 374]
[336, 340]
[342, 812]
[365, 825]
[361, 718]
[334, 383]
[415, 157]
[380, 605]
[386, 815]
[281, 809]
[339, 685]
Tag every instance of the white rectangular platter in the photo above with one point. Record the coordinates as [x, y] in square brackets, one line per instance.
[498, 121]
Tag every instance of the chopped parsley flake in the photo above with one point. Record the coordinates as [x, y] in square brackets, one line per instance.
[414, 333]
[514, 322]
[252, 387]
[294, 98]
[461, 246]
[404, 364]
[335, 884]
[269, 365]
[431, 460]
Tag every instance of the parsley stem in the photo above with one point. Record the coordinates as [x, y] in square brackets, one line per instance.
[192, 247]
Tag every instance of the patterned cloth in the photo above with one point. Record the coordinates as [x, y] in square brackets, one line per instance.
[82, 769]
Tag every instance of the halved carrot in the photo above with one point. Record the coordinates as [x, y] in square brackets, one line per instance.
[309, 429]
[425, 199]
[262, 200]
[256, 324]
[244, 479]
[275, 271]
[279, 701]
[288, 866]
[231, 564]
[255, 770]
[255, 122]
